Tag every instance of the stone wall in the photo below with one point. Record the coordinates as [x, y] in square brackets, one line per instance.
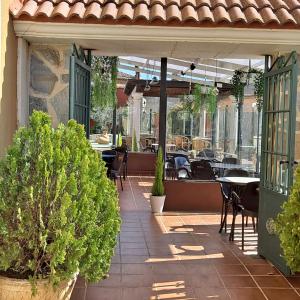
[49, 81]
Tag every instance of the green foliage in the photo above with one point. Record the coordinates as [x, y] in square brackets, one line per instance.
[193, 103]
[237, 85]
[158, 185]
[259, 89]
[287, 226]
[104, 78]
[211, 100]
[198, 99]
[58, 211]
[134, 143]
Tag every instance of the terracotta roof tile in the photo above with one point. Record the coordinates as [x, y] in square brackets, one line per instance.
[266, 13]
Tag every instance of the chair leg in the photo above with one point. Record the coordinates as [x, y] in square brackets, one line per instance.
[222, 216]
[121, 182]
[231, 236]
[246, 221]
[225, 215]
[124, 171]
[243, 225]
[253, 223]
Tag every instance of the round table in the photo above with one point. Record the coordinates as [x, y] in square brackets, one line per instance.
[240, 181]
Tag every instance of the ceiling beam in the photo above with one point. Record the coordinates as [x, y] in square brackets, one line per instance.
[170, 70]
[185, 64]
[157, 73]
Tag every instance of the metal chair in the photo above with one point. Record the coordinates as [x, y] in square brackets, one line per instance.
[201, 170]
[230, 160]
[125, 160]
[207, 153]
[116, 170]
[182, 166]
[246, 204]
[226, 193]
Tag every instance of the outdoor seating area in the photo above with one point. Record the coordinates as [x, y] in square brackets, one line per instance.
[181, 255]
[150, 150]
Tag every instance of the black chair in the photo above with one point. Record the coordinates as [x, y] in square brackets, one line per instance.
[108, 157]
[230, 160]
[226, 193]
[125, 160]
[201, 170]
[246, 204]
[182, 166]
[170, 168]
[116, 170]
[206, 153]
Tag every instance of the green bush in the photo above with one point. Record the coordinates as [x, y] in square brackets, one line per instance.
[134, 143]
[58, 211]
[287, 226]
[158, 185]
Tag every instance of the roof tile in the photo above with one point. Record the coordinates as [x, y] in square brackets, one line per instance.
[278, 13]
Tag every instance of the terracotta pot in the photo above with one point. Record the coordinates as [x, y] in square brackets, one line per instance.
[16, 289]
[157, 203]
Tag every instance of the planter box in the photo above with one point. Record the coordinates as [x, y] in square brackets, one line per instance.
[141, 163]
[17, 289]
[192, 195]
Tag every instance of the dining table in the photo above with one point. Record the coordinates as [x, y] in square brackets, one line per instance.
[221, 167]
[236, 184]
[237, 181]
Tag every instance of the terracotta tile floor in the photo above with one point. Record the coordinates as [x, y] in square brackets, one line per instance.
[182, 256]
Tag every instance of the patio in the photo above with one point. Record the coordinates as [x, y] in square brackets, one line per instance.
[182, 256]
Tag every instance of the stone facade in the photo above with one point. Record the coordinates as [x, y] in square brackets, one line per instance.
[49, 81]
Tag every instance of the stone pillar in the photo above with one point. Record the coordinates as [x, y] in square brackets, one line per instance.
[49, 81]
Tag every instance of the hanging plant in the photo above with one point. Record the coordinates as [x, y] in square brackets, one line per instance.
[259, 89]
[104, 78]
[211, 100]
[197, 98]
[238, 85]
[194, 102]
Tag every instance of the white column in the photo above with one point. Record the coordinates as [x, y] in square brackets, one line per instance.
[22, 83]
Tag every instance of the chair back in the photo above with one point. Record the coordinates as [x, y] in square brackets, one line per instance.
[118, 161]
[202, 170]
[236, 173]
[207, 153]
[230, 160]
[109, 152]
[250, 197]
[226, 188]
[124, 151]
[181, 161]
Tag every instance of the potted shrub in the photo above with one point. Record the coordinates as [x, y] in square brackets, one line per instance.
[59, 214]
[157, 198]
[287, 225]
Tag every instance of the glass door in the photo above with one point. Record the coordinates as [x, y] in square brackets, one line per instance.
[277, 161]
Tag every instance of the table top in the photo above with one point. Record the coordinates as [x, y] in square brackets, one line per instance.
[229, 166]
[108, 155]
[237, 180]
[101, 147]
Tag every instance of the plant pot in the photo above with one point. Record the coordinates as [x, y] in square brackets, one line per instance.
[157, 203]
[15, 289]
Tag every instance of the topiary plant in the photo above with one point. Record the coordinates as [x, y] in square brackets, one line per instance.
[58, 211]
[158, 186]
[287, 226]
[134, 143]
